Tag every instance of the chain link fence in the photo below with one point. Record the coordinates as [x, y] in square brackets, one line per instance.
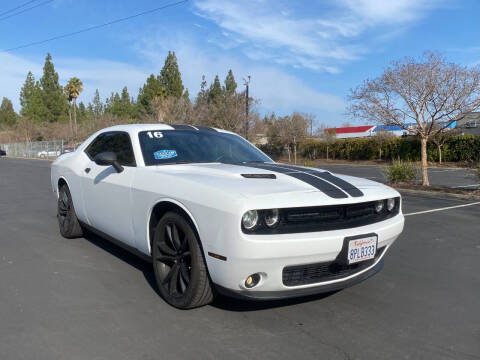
[36, 149]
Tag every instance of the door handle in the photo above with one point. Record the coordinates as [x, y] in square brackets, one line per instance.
[87, 170]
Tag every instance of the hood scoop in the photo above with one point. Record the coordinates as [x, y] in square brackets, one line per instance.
[259, 176]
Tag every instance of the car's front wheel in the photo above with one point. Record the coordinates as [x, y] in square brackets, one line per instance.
[67, 219]
[178, 263]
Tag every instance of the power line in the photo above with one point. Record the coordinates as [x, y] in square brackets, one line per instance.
[96, 26]
[17, 7]
[25, 10]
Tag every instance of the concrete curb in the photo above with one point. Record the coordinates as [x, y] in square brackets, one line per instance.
[437, 194]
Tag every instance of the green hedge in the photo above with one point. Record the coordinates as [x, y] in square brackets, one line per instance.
[465, 148]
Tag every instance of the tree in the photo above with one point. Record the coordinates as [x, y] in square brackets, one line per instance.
[69, 98]
[170, 76]
[230, 84]
[8, 116]
[329, 136]
[31, 101]
[441, 137]
[152, 88]
[215, 91]
[381, 138]
[52, 93]
[97, 106]
[73, 88]
[429, 92]
[290, 130]
[125, 104]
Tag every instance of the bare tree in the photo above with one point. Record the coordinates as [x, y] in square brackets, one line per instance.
[329, 136]
[429, 92]
[381, 138]
[441, 137]
[292, 129]
[26, 127]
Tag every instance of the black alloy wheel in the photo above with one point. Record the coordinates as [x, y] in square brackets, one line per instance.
[174, 257]
[67, 219]
[178, 262]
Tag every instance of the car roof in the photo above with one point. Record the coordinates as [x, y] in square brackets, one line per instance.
[134, 129]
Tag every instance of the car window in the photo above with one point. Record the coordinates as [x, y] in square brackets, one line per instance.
[174, 146]
[117, 142]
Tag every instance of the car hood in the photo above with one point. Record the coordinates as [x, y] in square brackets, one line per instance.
[256, 180]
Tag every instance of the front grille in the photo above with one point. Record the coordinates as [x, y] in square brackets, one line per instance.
[324, 218]
[319, 272]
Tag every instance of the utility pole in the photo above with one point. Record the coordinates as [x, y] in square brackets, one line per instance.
[246, 83]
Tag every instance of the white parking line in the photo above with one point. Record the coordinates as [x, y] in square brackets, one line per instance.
[442, 209]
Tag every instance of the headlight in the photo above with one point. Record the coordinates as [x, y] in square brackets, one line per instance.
[271, 217]
[250, 219]
[379, 206]
[390, 204]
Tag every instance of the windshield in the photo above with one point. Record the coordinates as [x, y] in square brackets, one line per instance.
[193, 146]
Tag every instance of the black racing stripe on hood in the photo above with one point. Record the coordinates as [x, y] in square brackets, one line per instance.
[342, 184]
[310, 179]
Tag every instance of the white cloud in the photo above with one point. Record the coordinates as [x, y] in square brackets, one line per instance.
[278, 90]
[314, 38]
[105, 75]
[392, 11]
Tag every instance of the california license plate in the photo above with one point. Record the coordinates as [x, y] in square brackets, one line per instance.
[362, 249]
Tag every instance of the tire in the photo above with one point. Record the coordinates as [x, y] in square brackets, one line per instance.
[179, 267]
[67, 219]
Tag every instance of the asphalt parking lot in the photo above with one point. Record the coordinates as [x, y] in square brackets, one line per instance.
[460, 178]
[88, 299]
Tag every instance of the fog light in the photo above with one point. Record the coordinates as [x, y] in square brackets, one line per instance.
[252, 281]
[390, 204]
[379, 206]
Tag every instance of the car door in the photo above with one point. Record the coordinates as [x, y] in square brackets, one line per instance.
[106, 192]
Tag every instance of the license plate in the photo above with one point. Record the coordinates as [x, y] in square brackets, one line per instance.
[361, 249]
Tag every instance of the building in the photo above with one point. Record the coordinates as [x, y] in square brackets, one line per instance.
[470, 124]
[352, 131]
[391, 129]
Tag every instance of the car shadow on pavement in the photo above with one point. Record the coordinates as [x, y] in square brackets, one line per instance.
[221, 302]
[241, 305]
[130, 258]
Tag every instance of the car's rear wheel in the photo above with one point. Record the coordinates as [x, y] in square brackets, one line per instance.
[178, 263]
[67, 219]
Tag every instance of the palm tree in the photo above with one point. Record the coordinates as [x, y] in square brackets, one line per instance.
[73, 88]
[66, 91]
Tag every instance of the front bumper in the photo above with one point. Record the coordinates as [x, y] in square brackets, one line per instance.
[269, 255]
[291, 293]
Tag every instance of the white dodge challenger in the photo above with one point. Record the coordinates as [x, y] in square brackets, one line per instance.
[216, 215]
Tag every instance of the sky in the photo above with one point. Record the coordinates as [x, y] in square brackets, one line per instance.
[301, 55]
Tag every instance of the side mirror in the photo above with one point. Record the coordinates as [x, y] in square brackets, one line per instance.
[108, 158]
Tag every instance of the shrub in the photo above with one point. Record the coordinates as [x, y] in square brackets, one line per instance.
[464, 148]
[401, 171]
